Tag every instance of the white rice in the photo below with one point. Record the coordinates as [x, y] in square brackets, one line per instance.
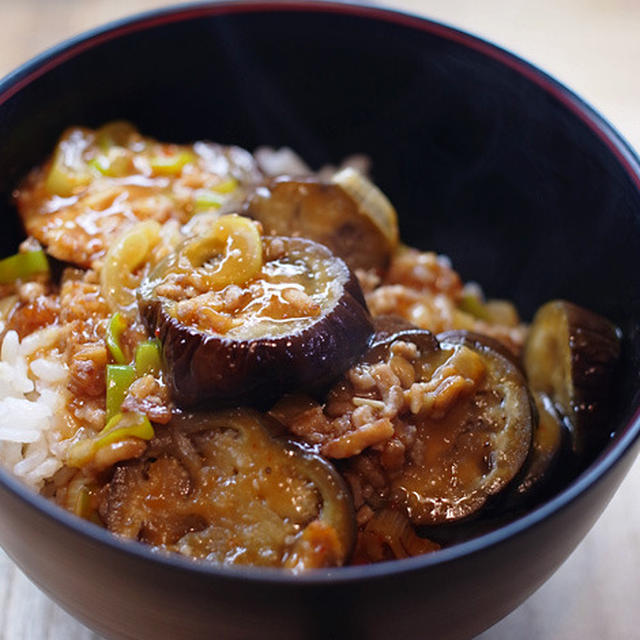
[33, 396]
[285, 161]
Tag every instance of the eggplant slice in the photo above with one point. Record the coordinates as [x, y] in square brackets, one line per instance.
[476, 449]
[268, 346]
[461, 436]
[349, 215]
[221, 487]
[570, 355]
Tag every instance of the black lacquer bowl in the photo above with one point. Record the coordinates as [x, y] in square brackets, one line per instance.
[487, 160]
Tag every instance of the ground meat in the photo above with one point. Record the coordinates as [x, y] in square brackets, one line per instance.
[374, 404]
[368, 279]
[438, 313]
[422, 288]
[87, 368]
[32, 313]
[31, 291]
[424, 271]
[423, 309]
[36, 306]
[83, 300]
[150, 396]
[84, 314]
[353, 442]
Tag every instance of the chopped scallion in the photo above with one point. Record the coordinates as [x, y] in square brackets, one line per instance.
[148, 357]
[119, 379]
[171, 165]
[23, 266]
[117, 324]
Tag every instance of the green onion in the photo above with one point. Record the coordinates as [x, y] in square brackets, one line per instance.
[119, 427]
[473, 306]
[115, 133]
[215, 196]
[227, 186]
[115, 163]
[82, 506]
[63, 180]
[117, 325]
[125, 425]
[119, 379]
[23, 266]
[171, 165]
[207, 200]
[148, 357]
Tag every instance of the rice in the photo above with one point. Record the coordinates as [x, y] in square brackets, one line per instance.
[33, 396]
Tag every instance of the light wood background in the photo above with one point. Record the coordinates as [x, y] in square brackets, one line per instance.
[594, 47]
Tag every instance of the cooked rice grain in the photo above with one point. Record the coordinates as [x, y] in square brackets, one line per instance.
[33, 396]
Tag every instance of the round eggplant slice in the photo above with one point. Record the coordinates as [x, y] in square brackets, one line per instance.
[429, 429]
[549, 433]
[222, 488]
[349, 215]
[476, 446]
[296, 322]
[570, 355]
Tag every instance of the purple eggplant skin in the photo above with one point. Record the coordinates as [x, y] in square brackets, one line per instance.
[550, 458]
[213, 370]
[586, 348]
[382, 340]
[481, 342]
[551, 464]
[387, 325]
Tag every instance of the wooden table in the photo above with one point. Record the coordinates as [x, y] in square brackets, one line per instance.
[594, 47]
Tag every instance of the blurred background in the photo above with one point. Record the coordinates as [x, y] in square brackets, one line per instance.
[593, 46]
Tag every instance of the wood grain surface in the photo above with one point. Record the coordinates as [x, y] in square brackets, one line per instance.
[594, 47]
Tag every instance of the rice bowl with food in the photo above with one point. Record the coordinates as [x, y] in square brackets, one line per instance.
[190, 328]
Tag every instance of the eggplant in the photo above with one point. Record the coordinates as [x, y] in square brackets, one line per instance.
[571, 355]
[348, 215]
[474, 451]
[386, 325]
[550, 464]
[463, 426]
[480, 341]
[260, 356]
[185, 495]
[549, 457]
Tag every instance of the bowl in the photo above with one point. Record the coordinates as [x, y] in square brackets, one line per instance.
[487, 160]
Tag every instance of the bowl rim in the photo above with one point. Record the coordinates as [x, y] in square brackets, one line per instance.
[42, 63]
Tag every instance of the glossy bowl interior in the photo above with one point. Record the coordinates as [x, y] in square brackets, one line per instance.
[487, 160]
